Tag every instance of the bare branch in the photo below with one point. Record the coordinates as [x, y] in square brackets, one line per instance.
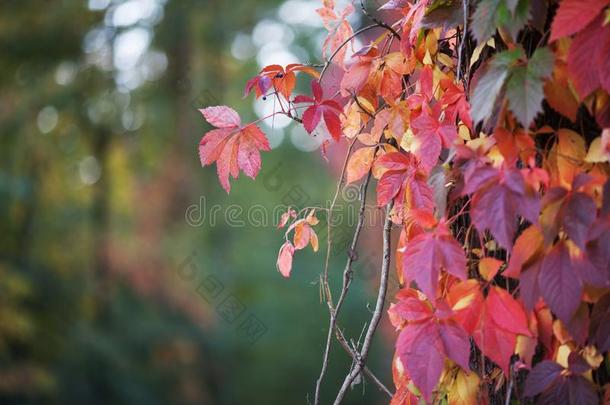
[356, 356]
[344, 43]
[378, 21]
[347, 278]
[464, 36]
[383, 287]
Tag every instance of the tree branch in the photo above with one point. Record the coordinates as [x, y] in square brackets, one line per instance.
[383, 287]
[464, 36]
[356, 356]
[354, 35]
[347, 279]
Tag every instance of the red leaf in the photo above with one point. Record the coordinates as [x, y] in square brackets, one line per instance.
[421, 351]
[495, 342]
[429, 253]
[402, 181]
[412, 309]
[499, 203]
[587, 47]
[574, 15]
[507, 312]
[430, 136]
[311, 118]
[456, 102]
[394, 161]
[456, 343]
[284, 259]
[355, 78]
[559, 284]
[328, 109]
[231, 146]
[333, 123]
[528, 284]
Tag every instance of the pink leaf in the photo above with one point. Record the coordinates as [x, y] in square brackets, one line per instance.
[221, 116]
[284, 259]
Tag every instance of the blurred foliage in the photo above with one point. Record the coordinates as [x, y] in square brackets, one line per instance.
[94, 183]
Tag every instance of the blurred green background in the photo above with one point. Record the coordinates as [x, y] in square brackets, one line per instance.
[119, 280]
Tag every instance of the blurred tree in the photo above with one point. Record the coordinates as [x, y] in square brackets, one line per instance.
[98, 116]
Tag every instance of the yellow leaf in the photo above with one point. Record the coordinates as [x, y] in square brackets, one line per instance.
[596, 153]
[525, 348]
[562, 355]
[407, 140]
[464, 390]
[476, 54]
[432, 42]
[427, 58]
[445, 59]
[366, 104]
[464, 133]
[593, 356]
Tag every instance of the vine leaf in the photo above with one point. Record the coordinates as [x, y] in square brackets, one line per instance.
[233, 147]
[574, 15]
[320, 107]
[524, 88]
[429, 253]
[284, 259]
[488, 83]
[559, 283]
[431, 135]
[359, 164]
[426, 340]
[404, 181]
[505, 194]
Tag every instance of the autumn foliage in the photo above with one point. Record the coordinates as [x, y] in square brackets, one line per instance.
[486, 125]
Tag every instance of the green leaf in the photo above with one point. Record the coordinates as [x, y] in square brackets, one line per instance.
[524, 88]
[487, 86]
[512, 15]
[541, 63]
[514, 20]
[509, 57]
[525, 94]
[489, 81]
[483, 23]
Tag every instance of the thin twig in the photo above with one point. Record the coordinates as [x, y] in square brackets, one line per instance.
[509, 389]
[378, 21]
[356, 356]
[383, 287]
[464, 37]
[354, 35]
[347, 278]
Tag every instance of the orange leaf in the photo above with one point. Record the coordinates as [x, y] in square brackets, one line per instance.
[488, 267]
[359, 164]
